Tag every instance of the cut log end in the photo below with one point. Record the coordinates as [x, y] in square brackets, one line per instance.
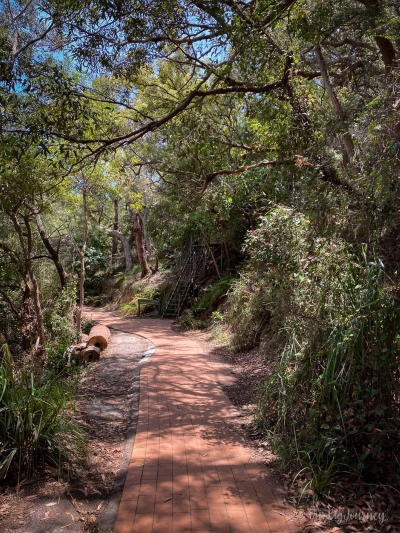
[100, 337]
[89, 355]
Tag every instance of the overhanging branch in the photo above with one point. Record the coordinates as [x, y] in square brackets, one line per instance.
[241, 170]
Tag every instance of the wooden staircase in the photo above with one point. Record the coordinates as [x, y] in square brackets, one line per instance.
[196, 263]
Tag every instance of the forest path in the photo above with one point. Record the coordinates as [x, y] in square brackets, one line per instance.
[190, 470]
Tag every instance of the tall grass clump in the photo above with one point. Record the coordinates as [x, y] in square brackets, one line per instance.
[331, 401]
[36, 424]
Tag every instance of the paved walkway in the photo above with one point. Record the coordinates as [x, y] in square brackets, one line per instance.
[190, 470]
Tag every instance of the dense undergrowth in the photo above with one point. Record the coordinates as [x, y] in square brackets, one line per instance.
[204, 307]
[37, 425]
[327, 316]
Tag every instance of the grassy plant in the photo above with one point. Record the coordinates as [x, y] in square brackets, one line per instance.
[36, 426]
[341, 387]
[202, 309]
[188, 320]
[87, 326]
[97, 301]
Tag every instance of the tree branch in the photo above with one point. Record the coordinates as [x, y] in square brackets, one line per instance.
[34, 257]
[190, 97]
[182, 40]
[227, 172]
[32, 41]
[9, 302]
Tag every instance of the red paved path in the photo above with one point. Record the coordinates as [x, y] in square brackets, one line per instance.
[190, 470]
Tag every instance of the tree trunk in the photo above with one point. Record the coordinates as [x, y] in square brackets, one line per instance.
[141, 250]
[212, 255]
[52, 251]
[125, 243]
[115, 228]
[26, 245]
[82, 261]
[143, 220]
[387, 50]
[346, 140]
[38, 307]
[25, 317]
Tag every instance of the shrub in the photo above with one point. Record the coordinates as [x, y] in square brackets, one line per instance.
[36, 426]
[59, 326]
[289, 281]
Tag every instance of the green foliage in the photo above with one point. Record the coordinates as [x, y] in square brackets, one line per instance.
[211, 296]
[333, 325]
[201, 310]
[60, 328]
[59, 315]
[87, 326]
[290, 275]
[36, 426]
[97, 301]
[188, 320]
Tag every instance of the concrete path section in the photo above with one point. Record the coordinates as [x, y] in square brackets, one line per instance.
[190, 470]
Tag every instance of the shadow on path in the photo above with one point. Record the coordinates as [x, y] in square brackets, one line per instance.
[190, 468]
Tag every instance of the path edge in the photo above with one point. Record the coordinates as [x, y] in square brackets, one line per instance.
[108, 516]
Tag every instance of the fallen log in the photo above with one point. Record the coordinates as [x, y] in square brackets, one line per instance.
[84, 338]
[99, 336]
[77, 348]
[76, 351]
[89, 355]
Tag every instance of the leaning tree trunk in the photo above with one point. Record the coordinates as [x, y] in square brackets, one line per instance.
[62, 274]
[125, 243]
[82, 252]
[141, 250]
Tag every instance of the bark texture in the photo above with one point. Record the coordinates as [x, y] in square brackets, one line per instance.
[141, 250]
